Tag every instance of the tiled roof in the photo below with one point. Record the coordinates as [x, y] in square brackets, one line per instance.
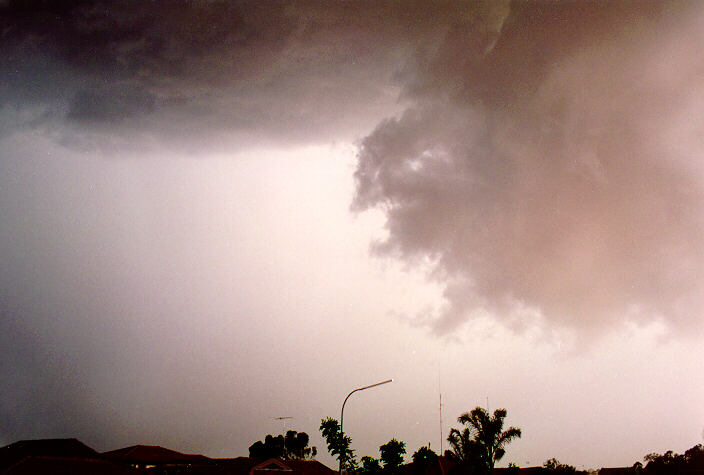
[66, 466]
[66, 448]
[70, 456]
[152, 454]
[253, 466]
[309, 467]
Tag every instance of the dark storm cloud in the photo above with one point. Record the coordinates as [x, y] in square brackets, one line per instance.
[544, 145]
[110, 106]
[180, 70]
[550, 165]
[91, 63]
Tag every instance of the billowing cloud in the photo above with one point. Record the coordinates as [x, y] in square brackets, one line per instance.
[550, 165]
[542, 144]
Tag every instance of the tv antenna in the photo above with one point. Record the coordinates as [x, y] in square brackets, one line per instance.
[283, 422]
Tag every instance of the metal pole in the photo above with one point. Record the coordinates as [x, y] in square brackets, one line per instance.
[342, 415]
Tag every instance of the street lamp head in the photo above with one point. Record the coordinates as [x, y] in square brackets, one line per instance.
[375, 384]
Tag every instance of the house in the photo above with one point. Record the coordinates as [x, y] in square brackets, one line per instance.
[152, 456]
[252, 466]
[37, 465]
[617, 471]
[72, 457]
[55, 456]
[71, 448]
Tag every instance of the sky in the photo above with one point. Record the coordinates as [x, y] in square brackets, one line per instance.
[216, 214]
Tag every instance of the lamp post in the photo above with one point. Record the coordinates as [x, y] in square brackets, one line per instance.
[342, 416]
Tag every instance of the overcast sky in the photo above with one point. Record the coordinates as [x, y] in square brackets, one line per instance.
[214, 214]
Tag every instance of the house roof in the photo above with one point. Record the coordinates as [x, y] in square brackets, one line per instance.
[447, 466]
[440, 466]
[66, 448]
[70, 456]
[238, 464]
[66, 466]
[254, 466]
[308, 467]
[151, 455]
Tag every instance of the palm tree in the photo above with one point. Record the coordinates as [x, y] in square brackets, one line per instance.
[481, 443]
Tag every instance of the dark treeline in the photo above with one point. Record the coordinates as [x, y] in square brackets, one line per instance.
[672, 463]
[292, 446]
[477, 445]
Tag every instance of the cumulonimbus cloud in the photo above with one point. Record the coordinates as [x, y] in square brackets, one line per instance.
[554, 169]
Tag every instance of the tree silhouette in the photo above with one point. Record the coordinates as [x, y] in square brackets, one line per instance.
[392, 454]
[482, 442]
[694, 457]
[370, 465]
[423, 458]
[296, 446]
[293, 446]
[424, 455]
[338, 443]
[554, 466]
[272, 447]
[671, 462]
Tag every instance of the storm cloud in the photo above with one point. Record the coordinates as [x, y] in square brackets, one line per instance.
[198, 72]
[542, 156]
[550, 166]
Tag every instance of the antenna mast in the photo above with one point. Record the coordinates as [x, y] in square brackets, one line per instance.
[441, 431]
[283, 422]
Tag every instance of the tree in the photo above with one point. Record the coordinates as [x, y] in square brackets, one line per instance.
[370, 465]
[392, 454]
[694, 457]
[272, 447]
[482, 442]
[671, 462]
[296, 446]
[554, 466]
[512, 469]
[338, 443]
[424, 456]
[293, 446]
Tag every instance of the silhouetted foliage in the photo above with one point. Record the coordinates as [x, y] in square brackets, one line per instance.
[338, 443]
[554, 466]
[296, 446]
[670, 462]
[370, 465]
[272, 447]
[481, 443]
[692, 461]
[292, 446]
[694, 457]
[423, 457]
[512, 469]
[392, 454]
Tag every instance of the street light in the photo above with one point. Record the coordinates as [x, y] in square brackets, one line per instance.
[342, 415]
